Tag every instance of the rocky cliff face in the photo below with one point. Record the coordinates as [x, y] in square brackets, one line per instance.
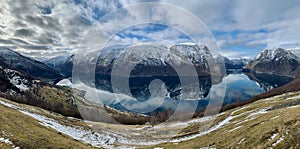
[280, 62]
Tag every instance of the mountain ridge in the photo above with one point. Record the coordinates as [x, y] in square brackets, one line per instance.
[27, 65]
[279, 62]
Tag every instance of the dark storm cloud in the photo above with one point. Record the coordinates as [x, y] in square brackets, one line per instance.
[34, 47]
[2, 41]
[25, 32]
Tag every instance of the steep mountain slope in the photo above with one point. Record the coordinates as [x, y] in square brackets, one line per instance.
[12, 81]
[20, 87]
[280, 62]
[28, 65]
[156, 60]
[151, 61]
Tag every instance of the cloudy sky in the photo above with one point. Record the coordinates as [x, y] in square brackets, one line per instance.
[47, 28]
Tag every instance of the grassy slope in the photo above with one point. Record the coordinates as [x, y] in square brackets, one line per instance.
[252, 131]
[281, 119]
[26, 132]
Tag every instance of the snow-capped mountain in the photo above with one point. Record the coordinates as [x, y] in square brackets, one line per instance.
[145, 63]
[280, 62]
[156, 56]
[152, 61]
[30, 66]
[155, 60]
[277, 55]
[149, 59]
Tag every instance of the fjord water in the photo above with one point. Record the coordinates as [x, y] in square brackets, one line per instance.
[239, 86]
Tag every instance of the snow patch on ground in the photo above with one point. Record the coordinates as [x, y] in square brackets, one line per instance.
[235, 128]
[78, 133]
[219, 125]
[65, 82]
[7, 141]
[278, 141]
[261, 111]
[274, 136]
[275, 97]
[294, 97]
[242, 108]
[97, 139]
[242, 140]
[275, 117]
[186, 124]
[19, 83]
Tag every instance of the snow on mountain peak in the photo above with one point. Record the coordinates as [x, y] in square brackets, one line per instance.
[278, 54]
[157, 51]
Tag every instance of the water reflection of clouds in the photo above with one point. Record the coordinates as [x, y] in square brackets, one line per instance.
[235, 85]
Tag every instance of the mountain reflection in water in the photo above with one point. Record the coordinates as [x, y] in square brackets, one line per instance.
[238, 86]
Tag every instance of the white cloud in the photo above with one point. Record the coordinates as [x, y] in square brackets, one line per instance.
[259, 24]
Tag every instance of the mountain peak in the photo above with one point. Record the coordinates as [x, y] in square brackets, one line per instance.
[277, 54]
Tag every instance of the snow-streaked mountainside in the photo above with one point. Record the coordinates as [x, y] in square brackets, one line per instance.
[277, 55]
[13, 81]
[295, 52]
[156, 60]
[280, 62]
[32, 67]
[153, 55]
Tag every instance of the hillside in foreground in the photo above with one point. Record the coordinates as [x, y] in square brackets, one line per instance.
[270, 122]
[18, 130]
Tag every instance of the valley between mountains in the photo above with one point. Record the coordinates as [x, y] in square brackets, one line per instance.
[268, 122]
[44, 111]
